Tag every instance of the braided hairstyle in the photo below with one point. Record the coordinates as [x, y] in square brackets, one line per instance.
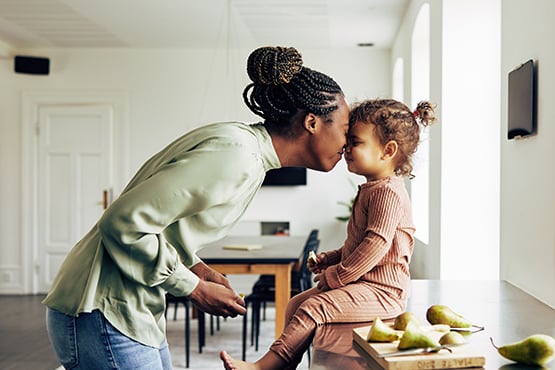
[282, 89]
[395, 121]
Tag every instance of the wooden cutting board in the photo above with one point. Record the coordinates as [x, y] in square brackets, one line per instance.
[463, 356]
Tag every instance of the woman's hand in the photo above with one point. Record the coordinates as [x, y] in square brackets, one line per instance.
[216, 299]
[207, 273]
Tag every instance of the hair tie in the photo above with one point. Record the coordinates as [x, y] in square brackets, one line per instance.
[416, 113]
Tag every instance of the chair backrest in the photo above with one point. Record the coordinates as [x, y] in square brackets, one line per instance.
[312, 236]
[305, 276]
[301, 277]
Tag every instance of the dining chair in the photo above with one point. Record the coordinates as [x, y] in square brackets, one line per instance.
[171, 299]
[267, 282]
[264, 291]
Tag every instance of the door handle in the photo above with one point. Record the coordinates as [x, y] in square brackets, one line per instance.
[105, 199]
[106, 195]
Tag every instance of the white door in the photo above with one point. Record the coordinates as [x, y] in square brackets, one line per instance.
[74, 179]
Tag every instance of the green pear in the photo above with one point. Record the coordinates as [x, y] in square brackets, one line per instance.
[466, 334]
[403, 319]
[380, 332]
[416, 337]
[440, 314]
[439, 328]
[537, 349]
[452, 338]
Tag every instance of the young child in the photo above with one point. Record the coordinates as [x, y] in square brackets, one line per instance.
[369, 275]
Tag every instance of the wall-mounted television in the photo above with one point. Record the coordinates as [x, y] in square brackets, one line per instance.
[522, 100]
[285, 176]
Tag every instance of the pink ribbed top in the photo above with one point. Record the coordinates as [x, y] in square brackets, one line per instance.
[380, 240]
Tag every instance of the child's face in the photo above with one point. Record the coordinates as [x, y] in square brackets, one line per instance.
[365, 154]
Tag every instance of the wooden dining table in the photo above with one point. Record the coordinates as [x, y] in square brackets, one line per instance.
[276, 256]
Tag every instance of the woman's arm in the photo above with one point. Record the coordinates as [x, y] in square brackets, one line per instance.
[132, 227]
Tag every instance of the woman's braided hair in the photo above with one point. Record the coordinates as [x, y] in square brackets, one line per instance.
[394, 121]
[281, 88]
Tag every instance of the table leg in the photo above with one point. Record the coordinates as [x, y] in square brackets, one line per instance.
[283, 294]
[282, 274]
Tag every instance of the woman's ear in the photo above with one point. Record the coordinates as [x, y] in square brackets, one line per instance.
[390, 149]
[310, 123]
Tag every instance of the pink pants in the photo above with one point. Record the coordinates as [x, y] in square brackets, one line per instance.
[360, 302]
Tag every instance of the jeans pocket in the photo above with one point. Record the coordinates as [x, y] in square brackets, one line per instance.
[61, 330]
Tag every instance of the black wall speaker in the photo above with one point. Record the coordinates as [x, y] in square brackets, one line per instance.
[31, 65]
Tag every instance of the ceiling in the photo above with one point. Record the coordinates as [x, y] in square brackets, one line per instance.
[28, 24]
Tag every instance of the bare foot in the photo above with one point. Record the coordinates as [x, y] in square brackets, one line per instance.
[232, 364]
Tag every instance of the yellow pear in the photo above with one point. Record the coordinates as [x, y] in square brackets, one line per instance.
[452, 338]
[415, 337]
[537, 349]
[439, 328]
[403, 319]
[440, 314]
[380, 332]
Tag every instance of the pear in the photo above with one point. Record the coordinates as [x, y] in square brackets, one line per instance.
[537, 349]
[403, 319]
[452, 338]
[416, 337]
[439, 328]
[466, 334]
[440, 314]
[312, 258]
[380, 332]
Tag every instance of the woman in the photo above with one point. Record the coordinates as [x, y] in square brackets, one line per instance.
[106, 305]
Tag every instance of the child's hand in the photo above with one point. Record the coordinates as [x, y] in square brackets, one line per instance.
[321, 283]
[316, 263]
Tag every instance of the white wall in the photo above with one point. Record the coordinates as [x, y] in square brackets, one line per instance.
[464, 144]
[470, 139]
[426, 258]
[528, 165]
[168, 93]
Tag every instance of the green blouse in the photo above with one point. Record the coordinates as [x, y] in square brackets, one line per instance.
[189, 194]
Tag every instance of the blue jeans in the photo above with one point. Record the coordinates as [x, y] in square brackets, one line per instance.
[89, 341]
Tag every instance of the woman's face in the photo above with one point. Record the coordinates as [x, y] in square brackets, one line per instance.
[328, 145]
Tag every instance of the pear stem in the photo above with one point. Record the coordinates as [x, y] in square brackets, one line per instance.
[493, 344]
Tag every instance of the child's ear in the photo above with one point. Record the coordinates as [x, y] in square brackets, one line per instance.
[390, 149]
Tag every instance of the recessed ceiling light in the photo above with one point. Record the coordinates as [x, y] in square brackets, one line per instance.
[365, 44]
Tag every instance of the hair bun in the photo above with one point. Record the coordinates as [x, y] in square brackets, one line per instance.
[274, 65]
[425, 112]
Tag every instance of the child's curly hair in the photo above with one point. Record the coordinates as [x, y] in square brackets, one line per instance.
[395, 121]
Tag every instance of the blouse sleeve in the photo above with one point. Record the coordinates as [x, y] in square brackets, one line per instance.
[384, 213]
[132, 226]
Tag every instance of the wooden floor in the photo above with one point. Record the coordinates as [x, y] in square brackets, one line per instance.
[24, 342]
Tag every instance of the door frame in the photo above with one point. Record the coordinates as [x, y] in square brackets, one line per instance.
[31, 101]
